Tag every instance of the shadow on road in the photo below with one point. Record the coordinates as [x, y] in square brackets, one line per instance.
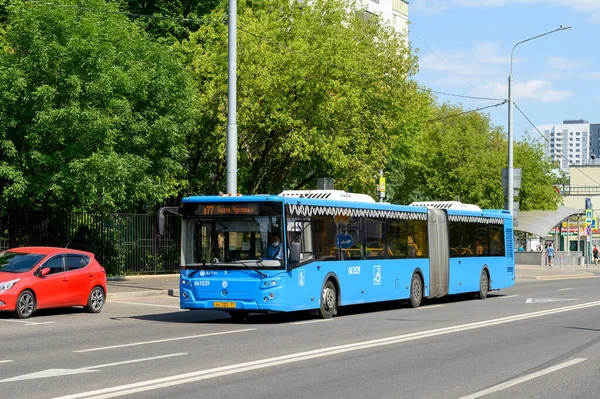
[221, 317]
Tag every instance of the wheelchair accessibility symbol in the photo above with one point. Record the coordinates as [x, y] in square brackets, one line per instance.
[376, 275]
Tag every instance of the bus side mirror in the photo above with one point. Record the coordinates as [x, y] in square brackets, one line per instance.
[161, 217]
[295, 252]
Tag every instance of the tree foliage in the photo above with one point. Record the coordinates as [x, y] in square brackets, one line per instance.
[323, 90]
[460, 157]
[100, 111]
[93, 115]
[172, 19]
[538, 177]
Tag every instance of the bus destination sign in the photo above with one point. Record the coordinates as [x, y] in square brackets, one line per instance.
[227, 209]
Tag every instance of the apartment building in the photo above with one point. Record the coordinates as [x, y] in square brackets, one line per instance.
[569, 143]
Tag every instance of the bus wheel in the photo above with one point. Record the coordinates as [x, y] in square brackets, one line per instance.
[483, 285]
[328, 307]
[416, 291]
[238, 316]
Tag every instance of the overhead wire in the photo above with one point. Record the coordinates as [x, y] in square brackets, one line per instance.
[571, 164]
[467, 112]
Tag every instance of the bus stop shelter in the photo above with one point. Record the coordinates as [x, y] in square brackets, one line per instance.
[541, 223]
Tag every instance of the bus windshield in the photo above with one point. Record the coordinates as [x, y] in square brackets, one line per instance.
[238, 241]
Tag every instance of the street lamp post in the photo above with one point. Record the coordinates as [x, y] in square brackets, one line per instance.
[510, 119]
[232, 134]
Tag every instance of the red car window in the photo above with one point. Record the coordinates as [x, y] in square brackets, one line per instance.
[55, 264]
[74, 262]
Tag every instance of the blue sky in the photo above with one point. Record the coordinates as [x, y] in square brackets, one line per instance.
[464, 48]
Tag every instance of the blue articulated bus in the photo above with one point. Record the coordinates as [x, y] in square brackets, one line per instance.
[336, 249]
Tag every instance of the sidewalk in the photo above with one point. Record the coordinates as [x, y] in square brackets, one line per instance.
[162, 284]
[556, 272]
[168, 284]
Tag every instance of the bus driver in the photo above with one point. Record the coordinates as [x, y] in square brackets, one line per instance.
[274, 250]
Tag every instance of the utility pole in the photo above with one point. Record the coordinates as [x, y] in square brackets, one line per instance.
[510, 176]
[232, 138]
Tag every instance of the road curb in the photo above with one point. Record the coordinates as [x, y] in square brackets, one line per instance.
[565, 277]
[134, 277]
[142, 293]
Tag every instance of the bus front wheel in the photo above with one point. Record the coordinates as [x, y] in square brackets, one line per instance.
[416, 291]
[483, 285]
[328, 307]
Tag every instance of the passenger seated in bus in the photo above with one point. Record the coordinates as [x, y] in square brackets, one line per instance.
[413, 249]
[478, 248]
[274, 249]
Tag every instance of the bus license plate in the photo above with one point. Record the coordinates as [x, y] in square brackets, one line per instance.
[224, 304]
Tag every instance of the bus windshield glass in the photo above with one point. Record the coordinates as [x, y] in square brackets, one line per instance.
[224, 240]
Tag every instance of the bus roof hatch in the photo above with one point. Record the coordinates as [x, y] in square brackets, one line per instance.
[447, 205]
[337, 195]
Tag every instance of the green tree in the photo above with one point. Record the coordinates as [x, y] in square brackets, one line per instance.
[323, 90]
[172, 19]
[538, 177]
[461, 156]
[454, 157]
[93, 115]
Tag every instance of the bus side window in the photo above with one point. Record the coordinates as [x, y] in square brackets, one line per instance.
[374, 234]
[324, 233]
[397, 239]
[300, 231]
[353, 229]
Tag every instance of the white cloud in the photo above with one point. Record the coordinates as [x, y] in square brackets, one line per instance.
[563, 63]
[536, 90]
[587, 6]
[554, 75]
[593, 75]
[430, 6]
[475, 62]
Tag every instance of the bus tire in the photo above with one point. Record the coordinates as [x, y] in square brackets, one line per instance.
[329, 295]
[416, 291]
[484, 285]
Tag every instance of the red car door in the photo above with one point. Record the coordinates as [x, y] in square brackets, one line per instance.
[80, 276]
[53, 290]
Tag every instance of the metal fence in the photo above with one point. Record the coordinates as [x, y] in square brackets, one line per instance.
[123, 243]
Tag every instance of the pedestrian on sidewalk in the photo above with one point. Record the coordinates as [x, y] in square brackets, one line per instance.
[550, 253]
[595, 253]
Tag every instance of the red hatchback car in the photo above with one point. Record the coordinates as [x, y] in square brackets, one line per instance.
[34, 278]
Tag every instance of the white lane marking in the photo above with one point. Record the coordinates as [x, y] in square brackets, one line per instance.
[147, 304]
[164, 340]
[546, 300]
[179, 379]
[504, 297]
[62, 372]
[5, 361]
[519, 380]
[135, 361]
[565, 289]
[429, 307]
[27, 322]
[298, 323]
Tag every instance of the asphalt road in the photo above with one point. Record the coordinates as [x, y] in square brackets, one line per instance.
[536, 340]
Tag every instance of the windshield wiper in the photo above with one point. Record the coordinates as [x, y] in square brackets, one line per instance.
[253, 268]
